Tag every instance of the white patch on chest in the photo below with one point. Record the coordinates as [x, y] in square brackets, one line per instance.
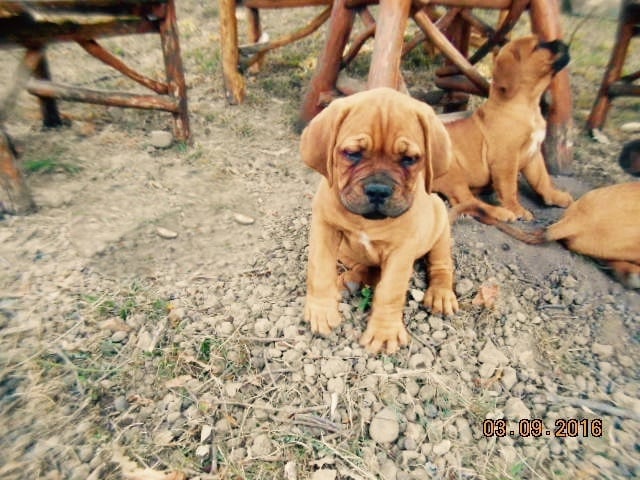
[365, 241]
[537, 137]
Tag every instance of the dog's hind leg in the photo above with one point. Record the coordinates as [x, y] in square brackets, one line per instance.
[627, 273]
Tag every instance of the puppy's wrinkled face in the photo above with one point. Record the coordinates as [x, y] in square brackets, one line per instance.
[527, 65]
[378, 158]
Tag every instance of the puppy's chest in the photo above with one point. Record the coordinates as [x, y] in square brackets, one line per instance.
[363, 248]
[534, 142]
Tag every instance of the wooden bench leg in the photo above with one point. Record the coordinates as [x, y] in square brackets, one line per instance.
[175, 71]
[234, 84]
[48, 107]
[14, 194]
[612, 73]
[387, 45]
[329, 61]
[557, 147]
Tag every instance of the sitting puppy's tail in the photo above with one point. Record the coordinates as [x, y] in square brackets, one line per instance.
[535, 237]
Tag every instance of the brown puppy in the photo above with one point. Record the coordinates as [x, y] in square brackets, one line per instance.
[378, 151]
[504, 135]
[603, 223]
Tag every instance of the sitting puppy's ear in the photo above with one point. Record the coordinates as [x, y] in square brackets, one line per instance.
[506, 77]
[318, 140]
[437, 143]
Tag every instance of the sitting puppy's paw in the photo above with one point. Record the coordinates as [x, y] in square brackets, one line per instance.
[387, 337]
[323, 315]
[559, 199]
[441, 300]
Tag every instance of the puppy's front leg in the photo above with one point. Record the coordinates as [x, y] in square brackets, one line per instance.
[385, 328]
[440, 297]
[505, 183]
[536, 174]
[321, 309]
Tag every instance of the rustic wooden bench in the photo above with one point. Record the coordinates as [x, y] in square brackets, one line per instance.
[37, 23]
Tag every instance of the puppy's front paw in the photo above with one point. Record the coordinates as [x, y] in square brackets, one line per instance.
[384, 336]
[441, 300]
[323, 315]
[559, 199]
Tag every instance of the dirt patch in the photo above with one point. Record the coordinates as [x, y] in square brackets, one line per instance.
[123, 349]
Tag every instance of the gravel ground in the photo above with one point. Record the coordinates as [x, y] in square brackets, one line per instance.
[151, 310]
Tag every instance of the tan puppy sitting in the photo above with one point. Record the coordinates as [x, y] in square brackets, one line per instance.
[504, 135]
[378, 151]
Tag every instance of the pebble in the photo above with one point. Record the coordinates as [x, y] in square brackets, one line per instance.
[262, 445]
[463, 286]
[442, 447]
[491, 354]
[509, 377]
[419, 361]
[203, 451]
[324, 474]
[602, 350]
[166, 233]
[160, 138]
[515, 409]
[205, 433]
[388, 470]
[120, 403]
[417, 294]
[119, 337]
[243, 219]
[384, 427]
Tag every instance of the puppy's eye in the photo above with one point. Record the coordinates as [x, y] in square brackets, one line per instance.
[407, 161]
[353, 157]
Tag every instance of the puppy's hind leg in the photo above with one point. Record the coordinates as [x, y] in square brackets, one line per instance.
[627, 273]
[356, 275]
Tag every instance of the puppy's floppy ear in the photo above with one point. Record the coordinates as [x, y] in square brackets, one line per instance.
[318, 139]
[439, 151]
[506, 76]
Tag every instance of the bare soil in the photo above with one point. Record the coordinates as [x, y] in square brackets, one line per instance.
[127, 354]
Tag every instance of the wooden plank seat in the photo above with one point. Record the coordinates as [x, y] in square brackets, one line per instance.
[614, 84]
[450, 33]
[37, 23]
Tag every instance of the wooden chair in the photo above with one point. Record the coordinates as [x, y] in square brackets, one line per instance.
[450, 33]
[613, 83]
[37, 23]
[237, 59]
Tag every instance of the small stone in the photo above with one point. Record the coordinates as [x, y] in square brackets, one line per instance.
[205, 433]
[176, 315]
[243, 219]
[324, 474]
[491, 354]
[262, 446]
[166, 233]
[486, 370]
[509, 377]
[515, 409]
[160, 138]
[384, 427]
[417, 294]
[463, 286]
[119, 337]
[442, 447]
[203, 451]
[602, 350]
[419, 361]
[630, 127]
[290, 470]
[388, 470]
[120, 404]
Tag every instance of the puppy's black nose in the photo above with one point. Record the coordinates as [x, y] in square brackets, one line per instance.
[378, 192]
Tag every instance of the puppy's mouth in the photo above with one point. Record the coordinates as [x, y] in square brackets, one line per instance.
[560, 51]
[375, 198]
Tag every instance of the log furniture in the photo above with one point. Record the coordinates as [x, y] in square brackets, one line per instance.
[236, 59]
[450, 33]
[613, 83]
[35, 24]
